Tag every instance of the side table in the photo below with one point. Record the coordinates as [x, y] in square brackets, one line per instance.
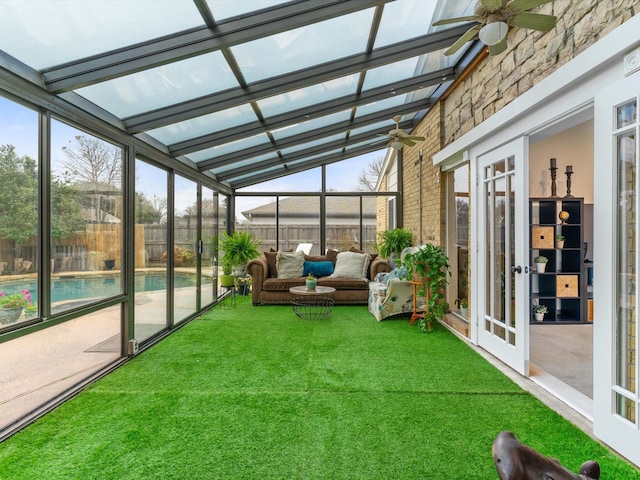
[415, 284]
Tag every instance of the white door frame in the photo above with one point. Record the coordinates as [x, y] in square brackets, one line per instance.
[609, 284]
[504, 335]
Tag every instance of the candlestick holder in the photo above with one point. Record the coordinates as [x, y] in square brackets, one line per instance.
[568, 173]
[553, 169]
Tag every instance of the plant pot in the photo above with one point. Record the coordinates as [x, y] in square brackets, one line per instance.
[311, 284]
[464, 312]
[541, 267]
[10, 315]
[109, 264]
[539, 317]
[560, 243]
[227, 281]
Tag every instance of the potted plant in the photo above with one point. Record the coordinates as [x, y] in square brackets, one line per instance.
[431, 265]
[539, 311]
[238, 248]
[463, 305]
[560, 241]
[226, 279]
[392, 242]
[311, 282]
[11, 306]
[541, 263]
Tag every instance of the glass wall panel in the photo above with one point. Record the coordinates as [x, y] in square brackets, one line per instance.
[258, 216]
[66, 354]
[185, 235]
[358, 174]
[19, 247]
[351, 223]
[299, 223]
[86, 216]
[151, 247]
[458, 238]
[209, 216]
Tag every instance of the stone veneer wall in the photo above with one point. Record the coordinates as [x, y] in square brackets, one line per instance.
[530, 57]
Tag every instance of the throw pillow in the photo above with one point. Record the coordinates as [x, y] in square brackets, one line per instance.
[290, 264]
[271, 262]
[332, 255]
[351, 265]
[317, 269]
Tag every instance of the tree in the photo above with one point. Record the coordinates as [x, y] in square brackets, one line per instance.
[151, 210]
[370, 174]
[93, 160]
[18, 196]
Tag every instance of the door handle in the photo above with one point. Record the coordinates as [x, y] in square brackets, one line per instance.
[516, 269]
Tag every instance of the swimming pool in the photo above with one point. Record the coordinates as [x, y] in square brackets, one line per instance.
[74, 288]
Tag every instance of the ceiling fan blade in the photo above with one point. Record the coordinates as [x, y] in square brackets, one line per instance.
[413, 138]
[468, 35]
[534, 21]
[447, 21]
[409, 143]
[526, 4]
[498, 48]
[491, 3]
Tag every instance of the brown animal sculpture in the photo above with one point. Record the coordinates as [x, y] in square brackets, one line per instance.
[516, 461]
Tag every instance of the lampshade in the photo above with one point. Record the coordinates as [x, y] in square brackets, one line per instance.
[397, 145]
[493, 33]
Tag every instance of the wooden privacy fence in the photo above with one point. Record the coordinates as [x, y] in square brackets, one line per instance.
[88, 250]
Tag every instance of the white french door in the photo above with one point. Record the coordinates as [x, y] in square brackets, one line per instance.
[502, 286]
[616, 287]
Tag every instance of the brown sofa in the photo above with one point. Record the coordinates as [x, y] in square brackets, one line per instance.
[266, 288]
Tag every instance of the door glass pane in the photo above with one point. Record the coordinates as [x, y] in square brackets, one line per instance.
[626, 322]
[86, 216]
[458, 233]
[626, 114]
[510, 288]
[499, 251]
[185, 235]
[150, 245]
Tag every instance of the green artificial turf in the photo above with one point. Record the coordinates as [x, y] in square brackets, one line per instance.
[256, 393]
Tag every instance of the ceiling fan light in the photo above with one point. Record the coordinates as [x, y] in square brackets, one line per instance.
[396, 145]
[493, 33]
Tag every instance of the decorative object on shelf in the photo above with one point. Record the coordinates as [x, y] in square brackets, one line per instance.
[541, 263]
[560, 241]
[568, 173]
[311, 282]
[563, 216]
[552, 169]
[539, 311]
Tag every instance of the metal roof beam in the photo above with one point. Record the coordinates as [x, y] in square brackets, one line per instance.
[261, 177]
[198, 41]
[324, 132]
[317, 110]
[295, 80]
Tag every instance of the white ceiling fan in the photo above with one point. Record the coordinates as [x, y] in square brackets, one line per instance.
[398, 138]
[494, 18]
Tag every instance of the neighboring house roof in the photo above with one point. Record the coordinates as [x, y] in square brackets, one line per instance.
[337, 207]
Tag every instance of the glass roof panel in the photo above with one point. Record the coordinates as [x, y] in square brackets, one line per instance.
[307, 96]
[199, 126]
[382, 105]
[230, 147]
[404, 19]
[325, 140]
[307, 181]
[244, 163]
[222, 9]
[375, 127]
[162, 86]
[51, 33]
[311, 125]
[305, 46]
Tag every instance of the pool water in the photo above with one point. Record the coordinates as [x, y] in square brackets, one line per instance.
[99, 286]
